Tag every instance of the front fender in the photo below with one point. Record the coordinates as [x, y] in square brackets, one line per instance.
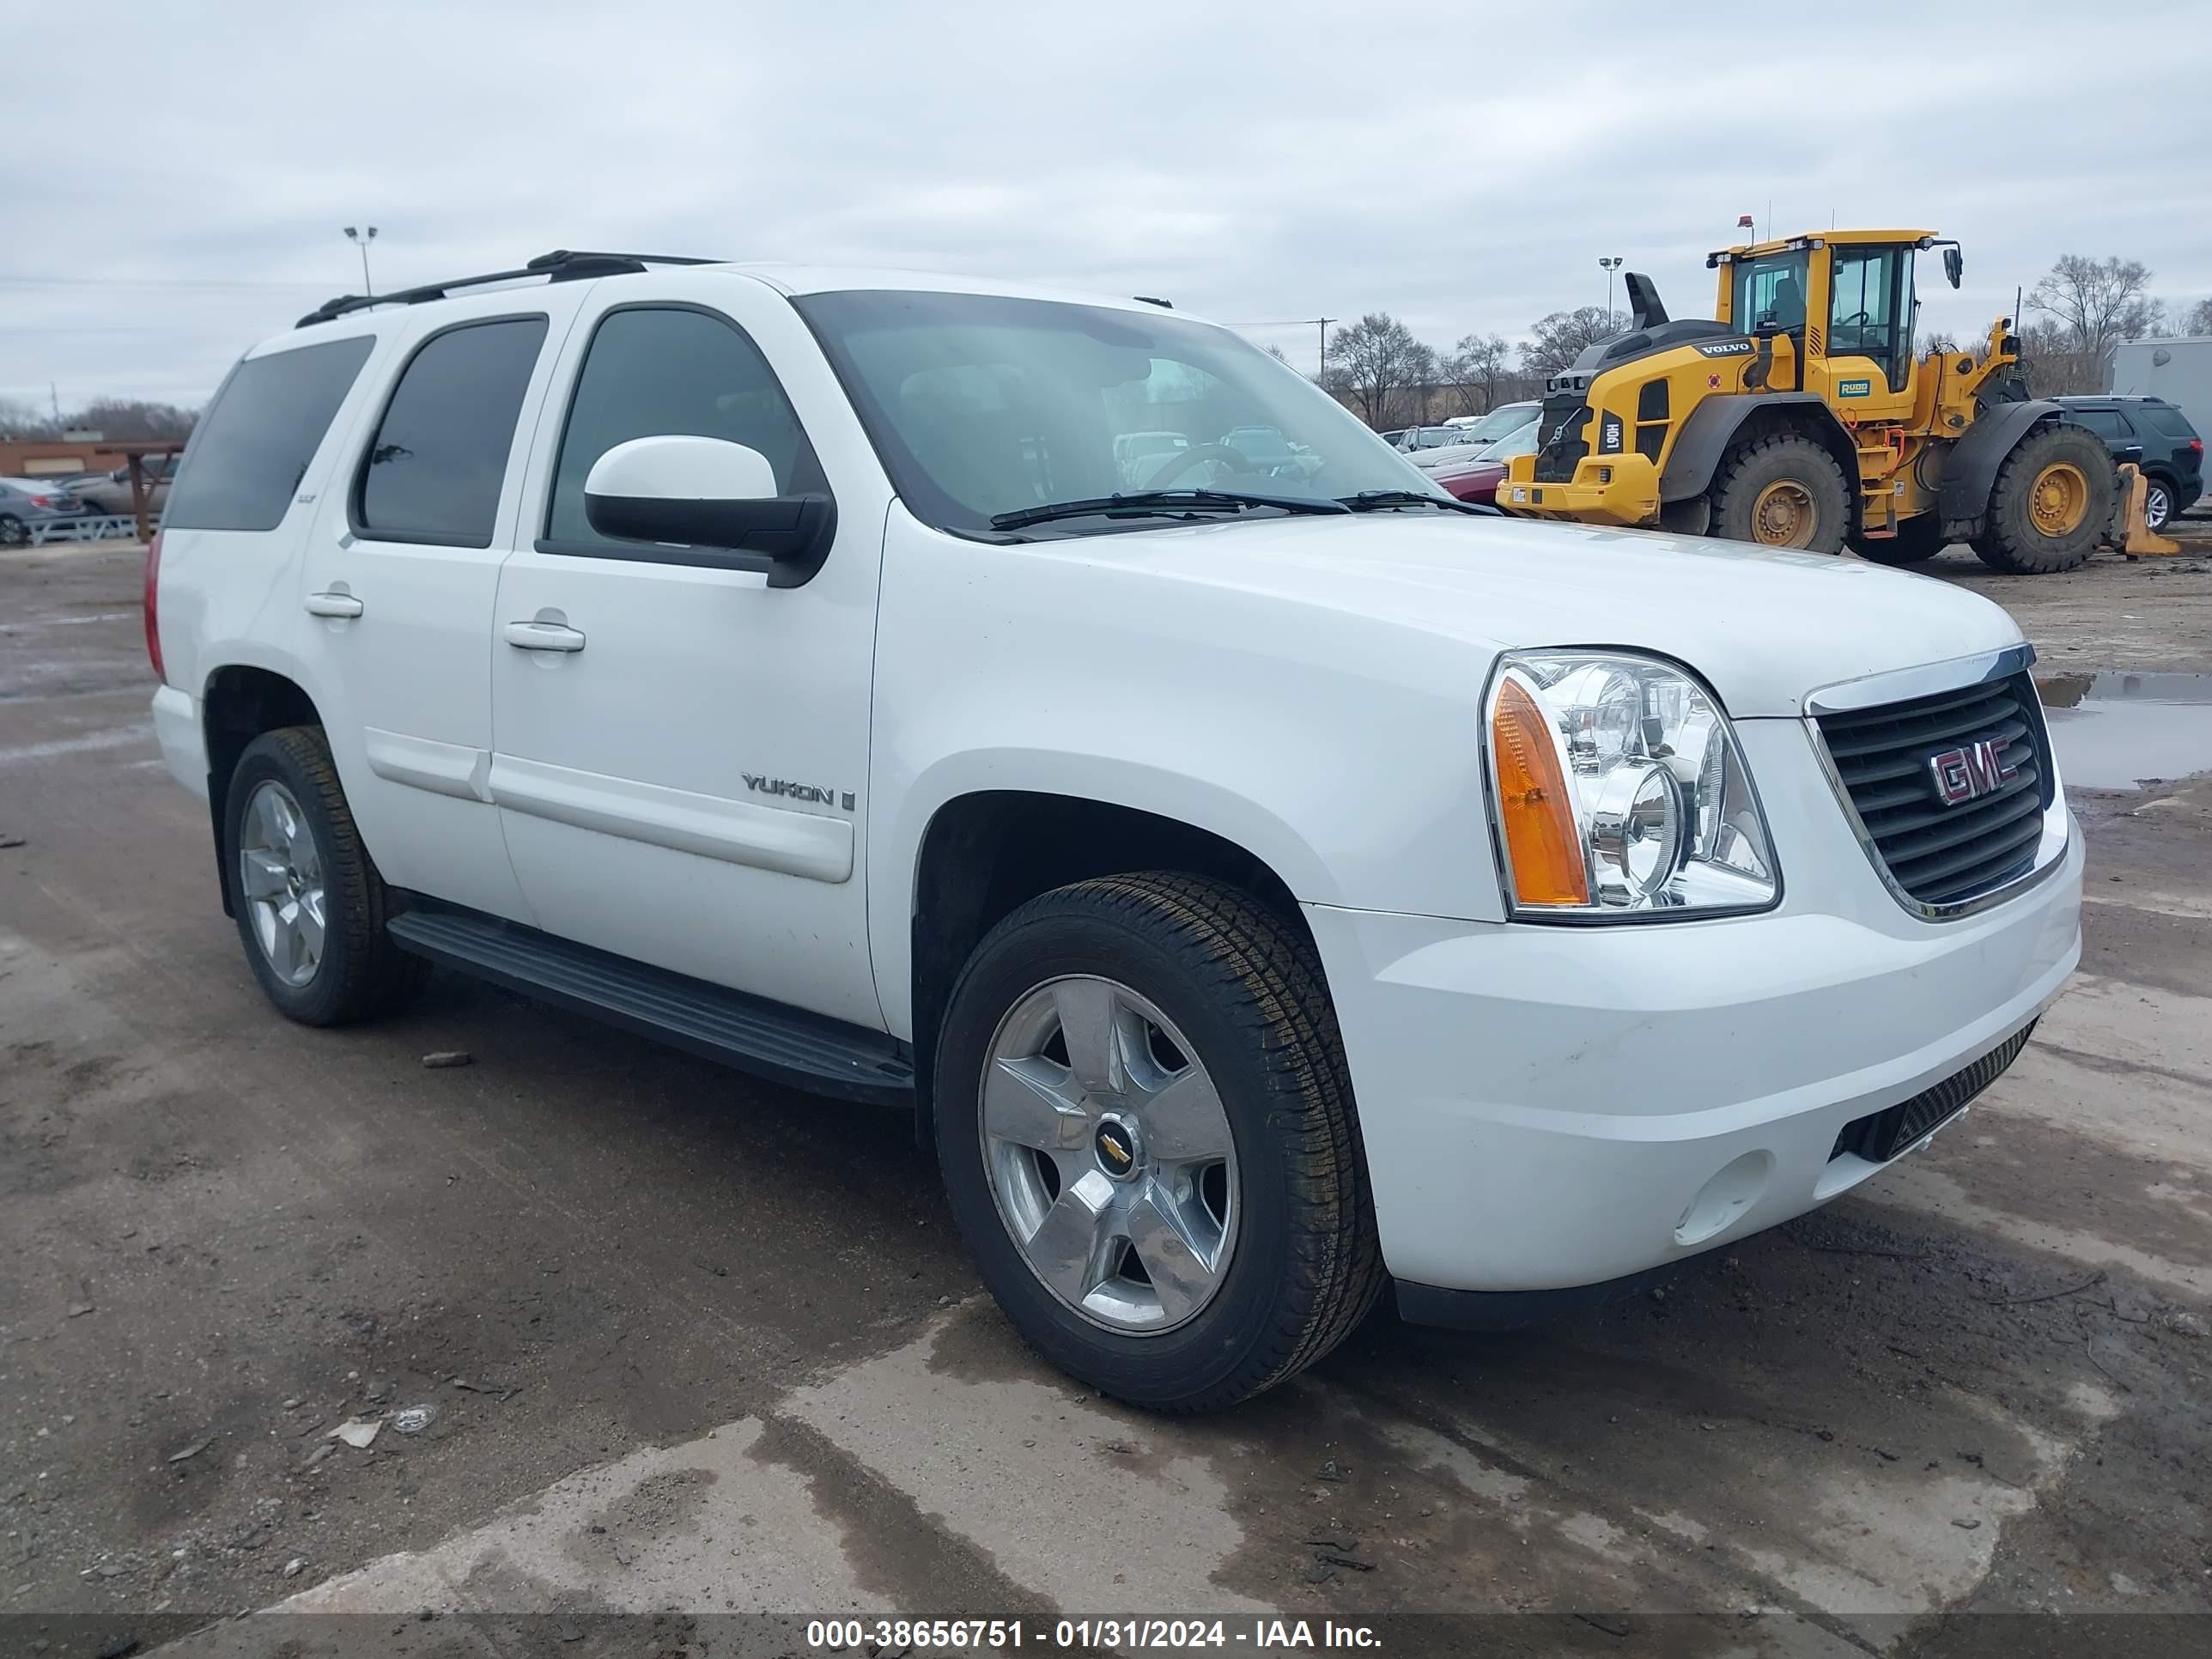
[1342, 751]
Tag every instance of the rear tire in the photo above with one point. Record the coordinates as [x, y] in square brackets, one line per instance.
[12, 531]
[1293, 1263]
[2052, 503]
[1916, 541]
[1784, 491]
[2158, 503]
[310, 890]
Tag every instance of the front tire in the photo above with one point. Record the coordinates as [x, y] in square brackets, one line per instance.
[1784, 491]
[310, 906]
[2052, 502]
[1147, 1129]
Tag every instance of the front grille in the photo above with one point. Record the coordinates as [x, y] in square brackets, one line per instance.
[1937, 853]
[1561, 435]
[1879, 1136]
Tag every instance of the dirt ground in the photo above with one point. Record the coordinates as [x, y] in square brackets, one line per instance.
[698, 1350]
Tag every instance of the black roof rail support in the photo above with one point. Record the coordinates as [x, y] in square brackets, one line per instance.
[1148, 300]
[561, 265]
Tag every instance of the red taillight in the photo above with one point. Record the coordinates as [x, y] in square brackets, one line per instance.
[42, 501]
[154, 605]
[2196, 445]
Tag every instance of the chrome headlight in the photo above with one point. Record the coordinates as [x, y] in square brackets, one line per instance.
[1621, 792]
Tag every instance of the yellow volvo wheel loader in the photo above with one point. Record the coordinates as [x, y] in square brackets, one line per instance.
[1799, 417]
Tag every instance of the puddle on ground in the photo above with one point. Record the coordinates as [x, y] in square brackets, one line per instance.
[2121, 731]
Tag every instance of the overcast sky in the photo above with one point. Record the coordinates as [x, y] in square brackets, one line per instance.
[173, 176]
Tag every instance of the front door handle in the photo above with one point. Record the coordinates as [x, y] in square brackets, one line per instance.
[543, 636]
[341, 606]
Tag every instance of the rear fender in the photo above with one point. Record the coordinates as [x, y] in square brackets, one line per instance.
[1970, 470]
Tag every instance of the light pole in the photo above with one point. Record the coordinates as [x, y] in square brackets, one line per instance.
[361, 241]
[1609, 265]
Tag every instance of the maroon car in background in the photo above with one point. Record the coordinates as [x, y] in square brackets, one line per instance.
[1476, 480]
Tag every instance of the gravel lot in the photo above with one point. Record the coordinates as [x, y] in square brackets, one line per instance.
[701, 1347]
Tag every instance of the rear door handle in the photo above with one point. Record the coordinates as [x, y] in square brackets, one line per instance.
[543, 636]
[344, 606]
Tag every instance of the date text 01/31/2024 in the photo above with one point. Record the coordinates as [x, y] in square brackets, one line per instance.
[988, 1634]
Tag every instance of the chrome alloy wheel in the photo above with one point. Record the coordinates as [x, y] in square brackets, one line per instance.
[1110, 1155]
[280, 876]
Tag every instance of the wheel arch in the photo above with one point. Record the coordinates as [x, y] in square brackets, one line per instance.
[1969, 469]
[1718, 425]
[985, 853]
[238, 702]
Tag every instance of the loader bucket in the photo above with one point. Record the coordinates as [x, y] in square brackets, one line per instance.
[2131, 530]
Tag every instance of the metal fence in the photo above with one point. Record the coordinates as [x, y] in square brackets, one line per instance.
[97, 527]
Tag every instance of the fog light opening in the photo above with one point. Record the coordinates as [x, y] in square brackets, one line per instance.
[1722, 1201]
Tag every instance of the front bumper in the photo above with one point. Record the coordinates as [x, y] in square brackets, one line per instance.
[1547, 1108]
[1614, 489]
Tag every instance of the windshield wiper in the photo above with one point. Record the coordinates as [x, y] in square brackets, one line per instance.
[1163, 501]
[1368, 500]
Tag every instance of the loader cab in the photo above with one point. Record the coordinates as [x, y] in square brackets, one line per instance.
[1846, 301]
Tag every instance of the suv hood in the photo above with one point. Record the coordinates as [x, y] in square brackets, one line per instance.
[1763, 626]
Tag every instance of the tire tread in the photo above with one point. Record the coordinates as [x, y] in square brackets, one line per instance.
[1266, 975]
[377, 977]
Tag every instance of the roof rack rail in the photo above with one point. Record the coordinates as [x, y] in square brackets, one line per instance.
[561, 265]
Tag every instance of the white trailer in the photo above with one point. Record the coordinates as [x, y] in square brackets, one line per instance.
[2179, 371]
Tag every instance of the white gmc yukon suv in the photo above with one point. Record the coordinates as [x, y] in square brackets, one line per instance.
[1262, 876]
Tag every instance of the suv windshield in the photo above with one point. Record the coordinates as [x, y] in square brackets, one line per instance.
[981, 406]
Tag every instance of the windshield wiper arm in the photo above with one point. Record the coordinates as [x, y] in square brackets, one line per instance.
[1367, 501]
[1163, 501]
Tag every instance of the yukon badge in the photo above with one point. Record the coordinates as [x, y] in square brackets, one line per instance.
[790, 791]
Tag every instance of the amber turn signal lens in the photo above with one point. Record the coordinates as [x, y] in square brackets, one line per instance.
[1541, 841]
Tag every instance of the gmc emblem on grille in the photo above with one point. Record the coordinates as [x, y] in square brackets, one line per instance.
[1973, 770]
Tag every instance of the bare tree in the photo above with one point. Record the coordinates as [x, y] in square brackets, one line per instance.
[2055, 365]
[2199, 319]
[2096, 304]
[127, 418]
[19, 421]
[1474, 369]
[1562, 337]
[1380, 367]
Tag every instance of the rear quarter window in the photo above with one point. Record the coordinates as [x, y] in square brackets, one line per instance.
[2166, 418]
[253, 446]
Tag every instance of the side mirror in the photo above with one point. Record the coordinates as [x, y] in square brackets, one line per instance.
[1955, 264]
[717, 501]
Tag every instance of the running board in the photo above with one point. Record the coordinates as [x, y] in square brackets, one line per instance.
[785, 1045]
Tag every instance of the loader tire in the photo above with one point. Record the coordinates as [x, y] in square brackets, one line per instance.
[1916, 540]
[1784, 491]
[2052, 503]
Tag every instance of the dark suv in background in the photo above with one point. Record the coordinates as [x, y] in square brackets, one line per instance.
[2172, 453]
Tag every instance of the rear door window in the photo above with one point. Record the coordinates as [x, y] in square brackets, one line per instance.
[434, 471]
[2105, 422]
[253, 446]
